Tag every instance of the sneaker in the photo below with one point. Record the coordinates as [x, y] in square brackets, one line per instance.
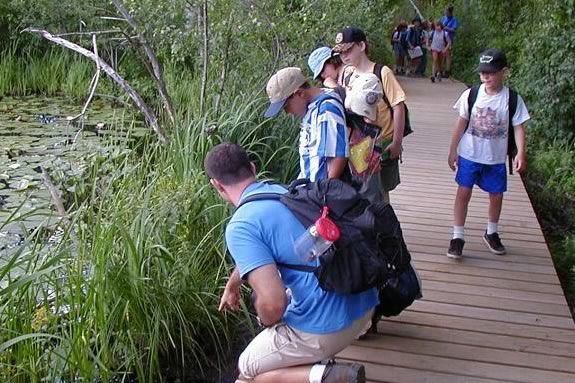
[455, 248]
[438, 76]
[344, 373]
[432, 79]
[494, 244]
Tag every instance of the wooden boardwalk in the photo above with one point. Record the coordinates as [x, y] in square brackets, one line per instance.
[485, 318]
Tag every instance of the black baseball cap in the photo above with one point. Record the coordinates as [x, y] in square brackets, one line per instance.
[346, 37]
[492, 60]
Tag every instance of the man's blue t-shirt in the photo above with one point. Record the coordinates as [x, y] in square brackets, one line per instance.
[264, 232]
[450, 22]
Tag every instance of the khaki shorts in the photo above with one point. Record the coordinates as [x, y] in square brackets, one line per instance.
[281, 346]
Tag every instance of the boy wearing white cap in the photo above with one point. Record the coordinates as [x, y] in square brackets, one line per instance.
[323, 144]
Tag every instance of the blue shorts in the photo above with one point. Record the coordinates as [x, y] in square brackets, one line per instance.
[490, 178]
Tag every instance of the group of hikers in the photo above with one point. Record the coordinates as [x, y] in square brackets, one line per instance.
[412, 43]
[305, 325]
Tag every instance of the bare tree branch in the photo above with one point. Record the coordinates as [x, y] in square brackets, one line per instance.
[225, 62]
[88, 33]
[92, 89]
[54, 193]
[205, 57]
[156, 72]
[149, 115]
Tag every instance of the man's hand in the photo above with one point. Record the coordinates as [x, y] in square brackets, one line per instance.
[452, 160]
[394, 150]
[519, 163]
[231, 296]
[230, 299]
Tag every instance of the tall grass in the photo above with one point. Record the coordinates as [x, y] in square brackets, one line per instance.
[52, 72]
[132, 289]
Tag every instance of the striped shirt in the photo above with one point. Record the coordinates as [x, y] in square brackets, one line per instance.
[323, 135]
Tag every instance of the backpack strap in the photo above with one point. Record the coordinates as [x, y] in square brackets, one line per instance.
[471, 98]
[259, 197]
[377, 71]
[511, 144]
[277, 197]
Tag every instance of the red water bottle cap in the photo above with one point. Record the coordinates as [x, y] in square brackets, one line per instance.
[326, 227]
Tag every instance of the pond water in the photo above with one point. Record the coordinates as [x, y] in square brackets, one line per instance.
[35, 133]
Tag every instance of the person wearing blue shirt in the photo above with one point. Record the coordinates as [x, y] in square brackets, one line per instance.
[450, 24]
[304, 324]
[324, 141]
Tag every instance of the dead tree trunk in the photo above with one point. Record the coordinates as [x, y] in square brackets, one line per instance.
[156, 69]
[205, 58]
[151, 119]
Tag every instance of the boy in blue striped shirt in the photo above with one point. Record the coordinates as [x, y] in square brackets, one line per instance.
[323, 143]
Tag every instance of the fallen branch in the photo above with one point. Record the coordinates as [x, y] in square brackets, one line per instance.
[58, 204]
[156, 69]
[93, 85]
[88, 33]
[149, 115]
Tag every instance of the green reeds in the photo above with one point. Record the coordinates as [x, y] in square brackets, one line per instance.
[132, 287]
[53, 72]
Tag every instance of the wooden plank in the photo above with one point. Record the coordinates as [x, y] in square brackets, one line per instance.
[474, 338]
[443, 264]
[458, 297]
[477, 260]
[501, 315]
[393, 374]
[471, 353]
[521, 296]
[486, 282]
[446, 321]
[456, 366]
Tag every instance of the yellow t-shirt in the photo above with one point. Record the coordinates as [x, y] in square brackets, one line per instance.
[395, 95]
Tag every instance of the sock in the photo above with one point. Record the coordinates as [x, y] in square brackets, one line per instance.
[491, 227]
[316, 373]
[458, 232]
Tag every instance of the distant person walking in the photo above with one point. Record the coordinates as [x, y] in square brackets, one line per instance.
[399, 44]
[450, 24]
[415, 41]
[440, 44]
[479, 147]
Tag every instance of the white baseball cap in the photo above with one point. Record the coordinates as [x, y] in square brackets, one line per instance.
[363, 94]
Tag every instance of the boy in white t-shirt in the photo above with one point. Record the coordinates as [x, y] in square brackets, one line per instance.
[479, 148]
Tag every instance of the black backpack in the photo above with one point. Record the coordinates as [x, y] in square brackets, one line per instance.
[370, 252]
[511, 145]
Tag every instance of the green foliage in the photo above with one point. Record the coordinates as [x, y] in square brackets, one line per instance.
[132, 287]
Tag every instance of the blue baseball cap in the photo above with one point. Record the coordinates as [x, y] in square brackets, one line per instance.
[317, 60]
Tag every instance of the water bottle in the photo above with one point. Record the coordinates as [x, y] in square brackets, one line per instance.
[318, 238]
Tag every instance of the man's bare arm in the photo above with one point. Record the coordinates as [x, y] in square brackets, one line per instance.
[271, 299]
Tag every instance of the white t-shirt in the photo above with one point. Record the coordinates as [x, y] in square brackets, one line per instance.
[485, 140]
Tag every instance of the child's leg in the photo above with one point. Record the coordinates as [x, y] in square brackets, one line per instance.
[495, 204]
[439, 62]
[434, 64]
[460, 210]
[494, 181]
